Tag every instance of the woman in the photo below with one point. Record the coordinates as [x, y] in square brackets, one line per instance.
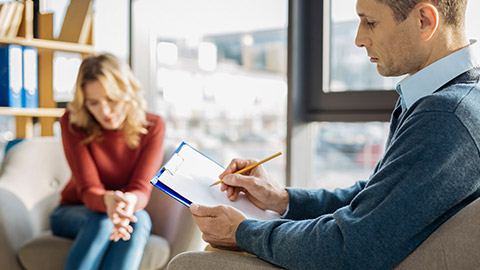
[113, 148]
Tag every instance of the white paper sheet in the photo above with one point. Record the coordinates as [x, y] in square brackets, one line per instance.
[190, 174]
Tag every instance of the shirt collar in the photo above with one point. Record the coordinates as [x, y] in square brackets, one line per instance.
[431, 78]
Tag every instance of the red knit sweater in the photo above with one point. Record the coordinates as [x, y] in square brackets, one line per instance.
[108, 164]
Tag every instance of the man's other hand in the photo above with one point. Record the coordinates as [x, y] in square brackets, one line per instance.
[218, 224]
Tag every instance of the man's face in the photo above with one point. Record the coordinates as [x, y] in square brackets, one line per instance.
[394, 47]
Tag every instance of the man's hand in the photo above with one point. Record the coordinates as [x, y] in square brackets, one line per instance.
[256, 185]
[218, 224]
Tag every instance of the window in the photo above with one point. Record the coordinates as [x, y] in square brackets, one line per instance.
[324, 102]
[349, 105]
[344, 153]
[220, 75]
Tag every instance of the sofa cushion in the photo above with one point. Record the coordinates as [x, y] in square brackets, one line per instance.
[34, 253]
[49, 252]
[156, 253]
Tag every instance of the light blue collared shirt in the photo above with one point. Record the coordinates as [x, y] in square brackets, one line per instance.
[431, 78]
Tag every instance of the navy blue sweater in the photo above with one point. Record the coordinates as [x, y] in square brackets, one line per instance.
[430, 171]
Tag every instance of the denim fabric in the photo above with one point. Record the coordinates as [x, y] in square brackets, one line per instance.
[92, 248]
[430, 170]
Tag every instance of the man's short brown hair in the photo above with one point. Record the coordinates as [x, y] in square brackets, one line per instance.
[453, 11]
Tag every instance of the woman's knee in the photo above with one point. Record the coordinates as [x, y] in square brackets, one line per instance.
[144, 222]
[66, 221]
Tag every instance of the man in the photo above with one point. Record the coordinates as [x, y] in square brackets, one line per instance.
[430, 169]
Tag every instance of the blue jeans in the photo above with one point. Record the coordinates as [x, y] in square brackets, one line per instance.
[92, 248]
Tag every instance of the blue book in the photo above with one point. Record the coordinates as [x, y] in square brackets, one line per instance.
[11, 75]
[30, 78]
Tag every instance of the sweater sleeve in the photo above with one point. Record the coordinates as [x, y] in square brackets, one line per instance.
[84, 171]
[429, 172]
[148, 164]
[305, 204]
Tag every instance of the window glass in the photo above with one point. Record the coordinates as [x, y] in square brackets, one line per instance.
[472, 21]
[346, 152]
[350, 68]
[221, 77]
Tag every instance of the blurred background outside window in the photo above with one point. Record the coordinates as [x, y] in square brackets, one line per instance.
[221, 76]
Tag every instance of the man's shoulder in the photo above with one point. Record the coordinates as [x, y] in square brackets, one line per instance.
[459, 100]
[457, 96]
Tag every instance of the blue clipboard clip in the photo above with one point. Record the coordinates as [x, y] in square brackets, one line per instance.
[172, 193]
[173, 164]
[171, 167]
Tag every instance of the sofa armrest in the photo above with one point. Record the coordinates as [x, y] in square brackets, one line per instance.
[31, 177]
[454, 245]
[173, 221]
[15, 227]
[218, 260]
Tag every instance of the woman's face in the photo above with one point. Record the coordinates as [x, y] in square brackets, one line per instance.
[110, 114]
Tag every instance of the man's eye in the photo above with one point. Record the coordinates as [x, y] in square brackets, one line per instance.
[371, 24]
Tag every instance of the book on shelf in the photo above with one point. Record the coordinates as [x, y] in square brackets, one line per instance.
[77, 22]
[5, 16]
[11, 15]
[2, 13]
[65, 71]
[18, 76]
[11, 77]
[12, 30]
[85, 33]
[27, 21]
[30, 77]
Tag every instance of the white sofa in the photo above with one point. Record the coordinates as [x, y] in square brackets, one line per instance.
[32, 175]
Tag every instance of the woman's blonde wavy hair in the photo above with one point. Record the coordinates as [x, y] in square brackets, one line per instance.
[120, 85]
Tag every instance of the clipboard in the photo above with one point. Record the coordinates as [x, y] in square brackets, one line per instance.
[187, 176]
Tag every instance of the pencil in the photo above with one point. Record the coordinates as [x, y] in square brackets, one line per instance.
[250, 167]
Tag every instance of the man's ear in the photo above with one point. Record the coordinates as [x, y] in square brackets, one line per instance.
[429, 19]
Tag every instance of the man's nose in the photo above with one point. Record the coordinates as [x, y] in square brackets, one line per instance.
[362, 40]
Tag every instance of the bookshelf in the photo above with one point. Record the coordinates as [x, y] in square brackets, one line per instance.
[47, 111]
[52, 45]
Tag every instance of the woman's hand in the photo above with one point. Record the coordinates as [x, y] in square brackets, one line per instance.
[120, 209]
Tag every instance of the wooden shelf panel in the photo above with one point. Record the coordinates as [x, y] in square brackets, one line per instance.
[32, 112]
[53, 45]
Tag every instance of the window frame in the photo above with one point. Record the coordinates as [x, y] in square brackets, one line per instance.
[308, 102]
[321, 105]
